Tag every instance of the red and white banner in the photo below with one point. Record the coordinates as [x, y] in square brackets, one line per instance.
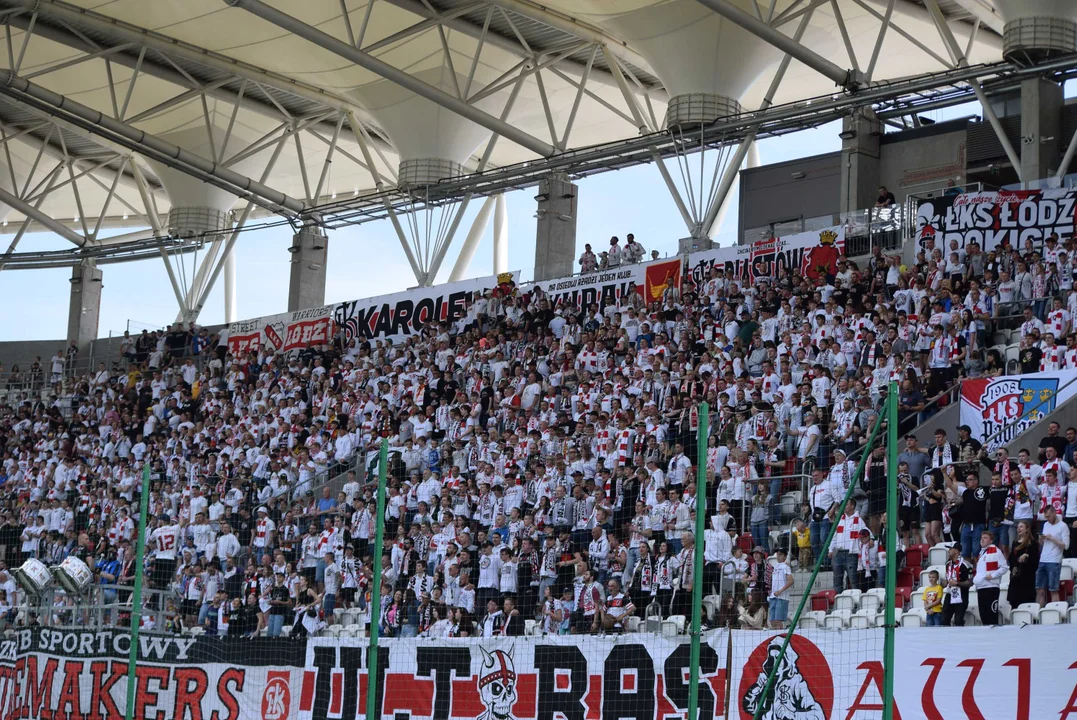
[1012, 673]
[287, 331]
[608, 286]
[999, 409]
[811, 254]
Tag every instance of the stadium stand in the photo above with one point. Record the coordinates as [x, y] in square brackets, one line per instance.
[543, 462]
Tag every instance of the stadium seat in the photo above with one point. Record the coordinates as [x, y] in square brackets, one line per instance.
[1022, 617]
[847, 600]
[529, 627]
[915, 556]
[348, 631]
[679, 621]
[905, 593]
[1060, 605]
[669, 628]
[1065, 589]
[936, 555]
[1072, 615]
[916, 617]
[917, 599]
[745, 542]
[940, 569]
[1015, 336]
[817, 615]
[1066, 572]
[632, 624]
[1004, 610]
[837, 620]
[861, 622]
[338, 616]
[332, 631]
[906, 578]
[823, 600]
[1051, 616]
[974, 599]
[808, 623]
[1070, 563]
[710, 609]
[872, 601]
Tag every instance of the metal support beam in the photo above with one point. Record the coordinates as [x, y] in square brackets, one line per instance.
[501, 235]
[394, 74]
[230, 305]
[844, 78]
[33, 213]
[171, 155]
[958, 56]
[471, 242]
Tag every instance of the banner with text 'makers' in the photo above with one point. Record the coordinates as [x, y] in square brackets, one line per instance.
[999, 409]
[1007, 672]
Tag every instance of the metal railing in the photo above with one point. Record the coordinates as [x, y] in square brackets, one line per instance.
[104, 605]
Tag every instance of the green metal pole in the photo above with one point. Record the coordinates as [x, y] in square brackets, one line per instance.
[697, 558]
[891, 550]
[818, 564]
[375, 588]
[136, 598]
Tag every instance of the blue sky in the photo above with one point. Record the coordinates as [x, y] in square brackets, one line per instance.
[367, 260]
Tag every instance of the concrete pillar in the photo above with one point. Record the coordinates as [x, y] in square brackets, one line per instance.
[555, 243]
[84, 310]
[1041, 128]
[306, 288]
[231, 306]
[501, 234]
[859, 160]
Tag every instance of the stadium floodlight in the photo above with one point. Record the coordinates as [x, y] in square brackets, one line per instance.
[33, 577]
[73, 575]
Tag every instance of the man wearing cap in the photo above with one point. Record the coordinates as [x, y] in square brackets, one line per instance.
[262, 535]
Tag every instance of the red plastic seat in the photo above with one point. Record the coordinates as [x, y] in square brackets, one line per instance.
[745, 542]
[903, 592]
[823, 600]
[906, 578]
[1065, 589]
[914, 556]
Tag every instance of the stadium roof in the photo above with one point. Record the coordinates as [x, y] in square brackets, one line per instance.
[103, 100]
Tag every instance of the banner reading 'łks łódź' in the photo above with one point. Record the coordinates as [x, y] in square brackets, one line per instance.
[999, 409]
[988, 218]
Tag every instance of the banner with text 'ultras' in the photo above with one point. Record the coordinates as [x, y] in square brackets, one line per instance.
[999, 409]
[1002, 672]
[811, 254]
[1021, 217]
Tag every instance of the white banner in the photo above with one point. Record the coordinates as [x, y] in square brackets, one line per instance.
[397, 316]
[811, 254]
[999, 409]
[608, 286]
[988, 218]
[1005, 673]
[286, 331]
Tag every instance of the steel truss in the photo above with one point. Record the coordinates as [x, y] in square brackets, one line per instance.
[584, 56]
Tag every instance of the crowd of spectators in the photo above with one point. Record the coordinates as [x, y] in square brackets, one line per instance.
[544, 456]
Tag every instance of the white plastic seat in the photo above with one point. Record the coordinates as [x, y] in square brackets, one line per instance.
[1004, 610]
[1072, 615]
[1004, 583]
[974, 599]
[1051, 616]
[861, 622]
[1066, 572]
[819, 616]
[916, 600]
[1022, 617]
[338, 616]
[669, 628]
[940, 569]
[880, 618]
[679, 621]
[846, 601]
[631, 624]
[878, 593]
[1070, 563]
[1061, 605]
[936, 555]
[807, 623]
[788, 505]
[529, 627]
[871, 601]
[837, 620]
[347, 631]
[332, 631]
[916, 617]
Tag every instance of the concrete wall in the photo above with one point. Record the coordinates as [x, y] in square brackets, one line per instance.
[771, 194]
[948, 419]
[922, 160]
